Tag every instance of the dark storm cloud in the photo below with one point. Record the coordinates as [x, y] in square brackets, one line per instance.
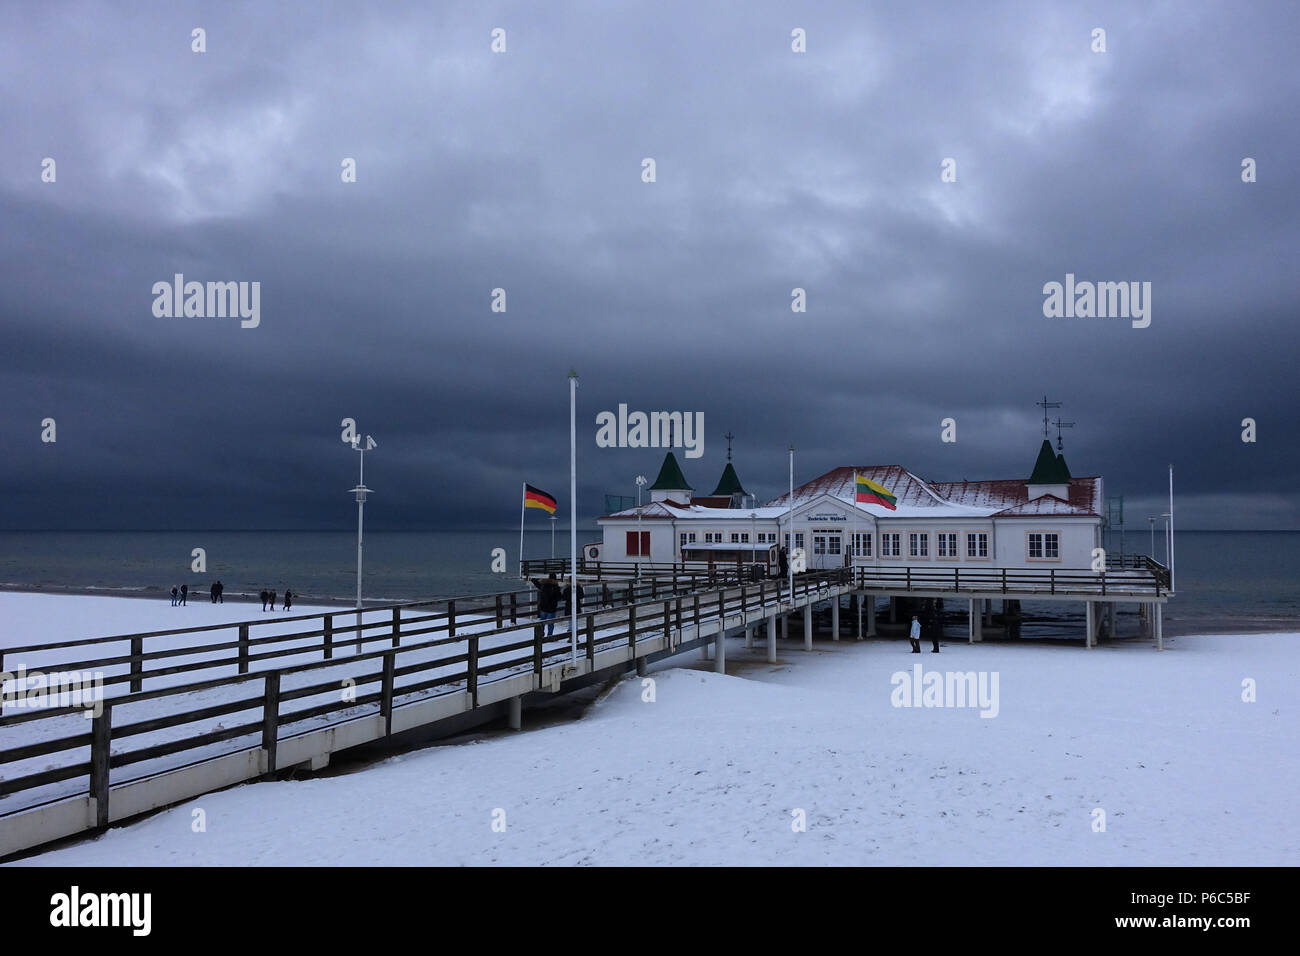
[522, 171]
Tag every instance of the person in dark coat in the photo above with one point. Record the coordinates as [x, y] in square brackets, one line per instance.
[271, 599]
[212, 593]
[185, 590]
[263, 595]
[175, 595]
[548, 601]
[221, 590]
[288, 599]
[785, 562]
[933, 624]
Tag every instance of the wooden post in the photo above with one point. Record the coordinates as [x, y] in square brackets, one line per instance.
[327, 624]
[472, 675]
[631, 628]
[514, 609]
[386, 693]
[591, 637]
[451, 618]
[271, 718]
[835, 618]
[697, 614]
[537, 650]
[137, 665]
[771, 639]
[604, 594]
[499, 619]
[101, 735]
[668, 624]
[243, 648]
[397, 625]
[807, 626]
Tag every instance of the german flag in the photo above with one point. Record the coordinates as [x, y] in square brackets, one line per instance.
[536, 498]
[870, 493]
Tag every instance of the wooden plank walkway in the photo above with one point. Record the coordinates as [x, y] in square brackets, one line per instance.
[327, 685]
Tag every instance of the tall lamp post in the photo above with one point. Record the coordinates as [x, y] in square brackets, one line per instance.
[1151, 520]
[361, 491]
[640, 483]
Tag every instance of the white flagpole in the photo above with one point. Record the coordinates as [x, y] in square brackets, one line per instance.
[523, 501]
[573, 517]
[790, 509]
[1171, 527]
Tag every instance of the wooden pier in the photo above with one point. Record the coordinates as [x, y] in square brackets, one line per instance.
[413, 671]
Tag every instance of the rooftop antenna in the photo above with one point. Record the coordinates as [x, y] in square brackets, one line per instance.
[1045, 404]
[1059, 425]
[728, 437]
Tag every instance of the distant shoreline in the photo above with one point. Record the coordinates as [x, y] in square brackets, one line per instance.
[195, 596]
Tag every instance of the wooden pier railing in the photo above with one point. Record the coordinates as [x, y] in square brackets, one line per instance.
[1146, 583]
[400, 652]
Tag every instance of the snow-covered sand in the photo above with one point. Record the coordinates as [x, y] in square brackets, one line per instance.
[710, 772]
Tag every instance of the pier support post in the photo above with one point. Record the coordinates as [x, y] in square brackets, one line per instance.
[860, 600]
[1160, 634]
[720, 651]
[1088, 623]
[871, 614]
[640, 667]
[1110, 620]
[749, 636]
[835, 619]
[893, 609]
[807, 627]
[771, 639]
[988, 612]
[785, 627]
[516, 712]
[976, 622]
[704, 648]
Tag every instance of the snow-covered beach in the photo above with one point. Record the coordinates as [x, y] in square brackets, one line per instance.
[721, 769]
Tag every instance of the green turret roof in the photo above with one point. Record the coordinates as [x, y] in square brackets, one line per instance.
[729, 483]
[1050, 468]
[670, 476]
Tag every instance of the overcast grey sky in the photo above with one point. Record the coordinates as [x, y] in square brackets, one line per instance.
[523, 170]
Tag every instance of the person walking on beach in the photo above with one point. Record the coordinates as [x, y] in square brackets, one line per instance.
[272, 599]
[212, 592]
[934, 624]
[915, 635]
[548, 601]
[288, 599]
[175, 595]
[185, 590]
[221, 588]
[263, 596]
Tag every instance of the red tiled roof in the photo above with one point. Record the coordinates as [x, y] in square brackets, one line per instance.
[998, 495]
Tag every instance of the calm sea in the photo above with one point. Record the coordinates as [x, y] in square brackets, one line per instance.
[1228, 581]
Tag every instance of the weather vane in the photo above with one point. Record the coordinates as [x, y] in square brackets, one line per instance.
[1045, 404]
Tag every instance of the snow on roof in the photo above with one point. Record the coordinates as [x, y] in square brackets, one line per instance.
[919, 498]
[1044, 505]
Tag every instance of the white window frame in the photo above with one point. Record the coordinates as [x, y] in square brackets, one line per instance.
[1044, 532]
[976, 556]
[911, 542]
[858, 539]
[954, 553]
[896, 538]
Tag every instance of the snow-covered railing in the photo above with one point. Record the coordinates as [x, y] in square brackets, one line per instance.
[1046, 581]
[463, 644]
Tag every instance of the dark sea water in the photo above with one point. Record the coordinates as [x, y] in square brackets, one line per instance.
[1227, 581]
